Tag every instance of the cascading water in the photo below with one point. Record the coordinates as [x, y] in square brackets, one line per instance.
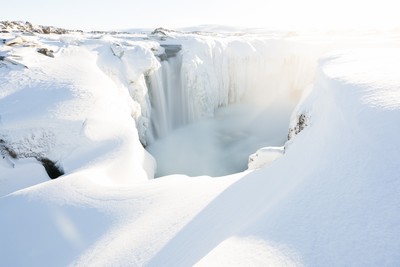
[168, 97]
[215, 101]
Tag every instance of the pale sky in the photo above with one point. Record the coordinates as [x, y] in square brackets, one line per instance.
[270, 14]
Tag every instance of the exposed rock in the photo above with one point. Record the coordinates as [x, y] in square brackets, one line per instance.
[169, 51]
[6, 150]
[26, 27]
[302, 122]
[161, 31]
[53, 170]
[46, 52]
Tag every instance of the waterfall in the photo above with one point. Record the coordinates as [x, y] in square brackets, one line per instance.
[167, 95]
[215, 101]
[197, 77]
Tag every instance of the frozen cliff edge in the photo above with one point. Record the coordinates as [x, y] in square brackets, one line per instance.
[68, 109]
[331, 200]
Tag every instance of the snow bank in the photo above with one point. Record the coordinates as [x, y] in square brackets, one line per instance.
[66, 109]
[332, 199]
[264, 156]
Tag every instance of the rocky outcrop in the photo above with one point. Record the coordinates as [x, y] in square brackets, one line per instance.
[53, 169]
[170, 50]
[301, 123]
[10, 26]
[46, 52]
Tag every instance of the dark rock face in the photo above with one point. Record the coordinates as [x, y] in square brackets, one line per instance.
[171, 50]
[53, 170]
[302, 122]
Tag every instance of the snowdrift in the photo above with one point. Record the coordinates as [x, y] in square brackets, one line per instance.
[66, 109]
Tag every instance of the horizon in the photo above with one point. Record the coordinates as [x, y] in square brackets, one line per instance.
[284, 15]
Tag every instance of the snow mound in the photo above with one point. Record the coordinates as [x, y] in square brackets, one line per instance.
[264, 156]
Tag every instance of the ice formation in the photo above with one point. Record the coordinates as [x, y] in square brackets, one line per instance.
[200, 81]
[212, 72]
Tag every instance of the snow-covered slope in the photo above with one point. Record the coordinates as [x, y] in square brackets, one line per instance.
[66, 109]
[330, 200]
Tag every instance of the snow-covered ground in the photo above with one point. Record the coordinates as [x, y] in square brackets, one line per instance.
[88, 106]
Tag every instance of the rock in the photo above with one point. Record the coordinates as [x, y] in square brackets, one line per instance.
[7, 153]
[46, 52]
[53, 170]
[16, 41]
[302, 122]
[170, 50]
[6, 150]
[46, 30]
[27, 27]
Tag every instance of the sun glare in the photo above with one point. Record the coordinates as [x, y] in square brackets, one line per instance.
[314, 14]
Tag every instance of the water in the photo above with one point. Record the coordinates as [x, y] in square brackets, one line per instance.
[220, 145]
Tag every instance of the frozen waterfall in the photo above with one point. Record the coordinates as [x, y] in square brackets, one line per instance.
[167, 95]
[214, 101]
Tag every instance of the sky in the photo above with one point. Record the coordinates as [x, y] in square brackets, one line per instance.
[270, 14]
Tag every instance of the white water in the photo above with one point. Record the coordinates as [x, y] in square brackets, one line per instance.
[168, 99]
[218, 101]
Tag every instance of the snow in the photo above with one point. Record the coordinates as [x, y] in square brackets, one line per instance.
[331, 199]
[67, 109]
[264, 156]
